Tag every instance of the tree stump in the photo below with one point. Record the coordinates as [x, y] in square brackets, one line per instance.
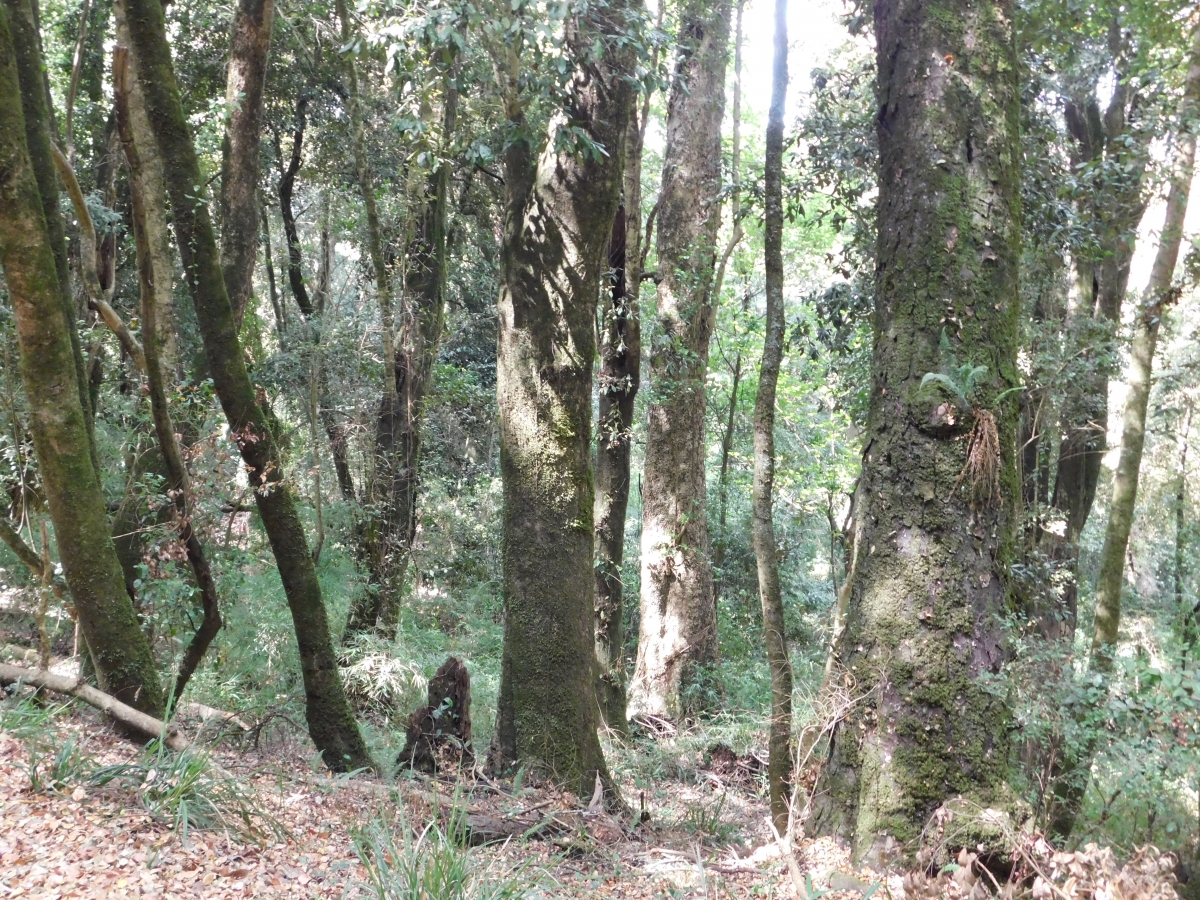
[439, 733]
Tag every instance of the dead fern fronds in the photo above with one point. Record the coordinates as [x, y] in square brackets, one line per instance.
[982, 469]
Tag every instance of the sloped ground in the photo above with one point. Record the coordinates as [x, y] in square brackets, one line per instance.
[64, 834]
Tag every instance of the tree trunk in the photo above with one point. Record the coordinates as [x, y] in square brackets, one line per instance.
[1101, 281]
[152, 293]
[334, 430]
[1160, 293]
[248, 51]
[122, 655]
[396, 480]
[1186, 614]
[678, 636]
[934, 510]
[330, 720]
[620, 374]
[558, 220]
[779, 764]
[35, 102]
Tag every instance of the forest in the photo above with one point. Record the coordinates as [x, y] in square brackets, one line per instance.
[498, 449]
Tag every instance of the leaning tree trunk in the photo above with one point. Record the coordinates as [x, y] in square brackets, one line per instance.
[934, 515]
[120, 651]
[248, 51]
[678, 635]
[779, 764]
[331, 722]
[558, 219]
[1160, 293]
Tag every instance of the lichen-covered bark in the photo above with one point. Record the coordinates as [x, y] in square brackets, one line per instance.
[928, 584]
[120, 650]
[678, 633]
[248, 50]
[779, 764]
[35, 102]
[330, 720]
[558, 218]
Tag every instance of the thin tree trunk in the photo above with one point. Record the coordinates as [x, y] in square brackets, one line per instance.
[934, 510]
[678, 636]
[330, 719]
[122, 655]
[249, 48]
[557, 225]
[619, 378]
[779, 764]
[1186, 614]
[152, 293]
[272, 286]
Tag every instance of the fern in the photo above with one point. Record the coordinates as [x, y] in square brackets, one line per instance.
[960, 381]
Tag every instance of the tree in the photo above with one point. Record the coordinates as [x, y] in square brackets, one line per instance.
[678, 633]
[934, 511]
[779, 766]
[560, 201]
[249, 49]
[120, 651]
[330, 720]
[1160, 293]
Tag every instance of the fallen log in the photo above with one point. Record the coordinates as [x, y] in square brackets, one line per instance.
[75, 687]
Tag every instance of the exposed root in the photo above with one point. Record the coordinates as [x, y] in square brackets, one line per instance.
[982, 469]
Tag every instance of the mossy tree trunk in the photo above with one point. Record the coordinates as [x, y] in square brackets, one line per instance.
[331, 721]
[678, 633]
[120, 651]
[249, 48]
[779, 764]
[932, 539]
[35, 101]
[1160, 293]
[558, 218]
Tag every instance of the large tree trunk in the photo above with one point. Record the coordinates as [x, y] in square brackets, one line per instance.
[1160, 293]
[558, 219]
[330, 720]
[934, 515]
[678, 635]
[248, 51]
[35, 102]
[779, 765]
[120, 651]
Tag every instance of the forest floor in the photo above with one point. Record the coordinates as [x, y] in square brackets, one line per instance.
[66, 833]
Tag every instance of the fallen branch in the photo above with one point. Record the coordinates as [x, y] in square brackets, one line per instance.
[81, 690]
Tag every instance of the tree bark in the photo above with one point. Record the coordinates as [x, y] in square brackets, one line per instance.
[35, 101]
[779, 763]
[558, 220]
[330, 719]
[934, 508]
[396, 481]
[248, 51]
[179, 487]
[678, 634]
[122, 656]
